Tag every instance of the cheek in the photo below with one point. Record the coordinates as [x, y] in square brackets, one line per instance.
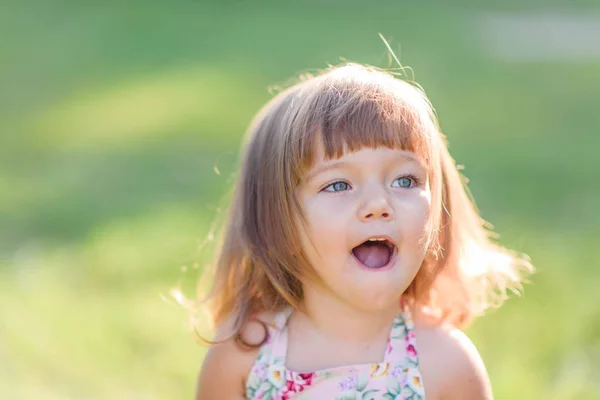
[326, 227]
[318, 208]
[324, 215]
[415, 220]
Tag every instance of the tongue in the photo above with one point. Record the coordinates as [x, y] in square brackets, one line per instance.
[372, 255]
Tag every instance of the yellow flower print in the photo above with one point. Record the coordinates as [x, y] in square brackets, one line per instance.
[378, 370]
[414, 381]
[276, 375]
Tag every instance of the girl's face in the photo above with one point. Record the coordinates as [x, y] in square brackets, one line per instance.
[367, 223]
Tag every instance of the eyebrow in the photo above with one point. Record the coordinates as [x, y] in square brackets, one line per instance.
[333, 165]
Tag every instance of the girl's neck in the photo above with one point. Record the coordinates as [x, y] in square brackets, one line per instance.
[339, 320]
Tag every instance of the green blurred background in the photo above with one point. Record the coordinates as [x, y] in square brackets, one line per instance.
[120, 126]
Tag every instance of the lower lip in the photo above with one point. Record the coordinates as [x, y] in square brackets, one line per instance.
[386, 267]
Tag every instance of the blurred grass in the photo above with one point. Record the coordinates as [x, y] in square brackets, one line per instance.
[113, 117]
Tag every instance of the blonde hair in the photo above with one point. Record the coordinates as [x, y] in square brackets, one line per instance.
[260, 265]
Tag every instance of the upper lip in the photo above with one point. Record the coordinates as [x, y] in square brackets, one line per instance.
[385, 237]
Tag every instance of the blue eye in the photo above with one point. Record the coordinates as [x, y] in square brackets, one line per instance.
[403, 182]
[337, 187]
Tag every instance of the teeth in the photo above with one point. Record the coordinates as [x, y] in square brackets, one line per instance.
[377, 240]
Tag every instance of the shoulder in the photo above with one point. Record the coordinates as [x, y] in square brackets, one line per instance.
[227, 362]
[450, 364]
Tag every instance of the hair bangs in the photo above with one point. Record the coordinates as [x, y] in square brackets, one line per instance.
[364, 127]
[345, 115]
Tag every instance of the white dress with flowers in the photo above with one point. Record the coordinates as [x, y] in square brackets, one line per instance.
[396, 378]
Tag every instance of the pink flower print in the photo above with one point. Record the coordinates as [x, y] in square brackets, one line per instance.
[410, 343]
[389, 347]
[411, 351]
[296, 383]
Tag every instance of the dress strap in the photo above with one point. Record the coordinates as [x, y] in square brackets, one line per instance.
[280, 336]
[401, 342]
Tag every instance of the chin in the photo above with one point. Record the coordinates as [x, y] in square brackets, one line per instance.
[379, 302]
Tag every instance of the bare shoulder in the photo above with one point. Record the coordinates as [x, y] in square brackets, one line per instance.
[450, 364]
[227, 363]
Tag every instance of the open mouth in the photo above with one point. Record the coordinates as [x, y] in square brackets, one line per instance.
[375, 253]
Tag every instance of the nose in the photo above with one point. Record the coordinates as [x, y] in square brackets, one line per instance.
[376, 206]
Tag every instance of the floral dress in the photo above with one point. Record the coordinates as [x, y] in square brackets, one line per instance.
[396, 378]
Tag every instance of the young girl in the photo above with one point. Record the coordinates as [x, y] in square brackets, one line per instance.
[352, 254]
